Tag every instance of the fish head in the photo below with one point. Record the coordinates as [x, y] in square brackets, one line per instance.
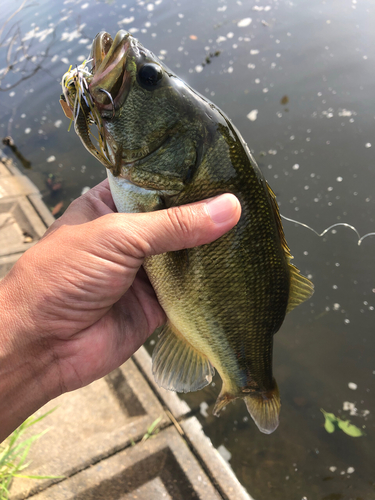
[120, 68]
[141, 103]
[152, 127]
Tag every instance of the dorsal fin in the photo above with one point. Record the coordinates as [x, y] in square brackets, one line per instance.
[177, 366]
[279, 225]
[301, 288]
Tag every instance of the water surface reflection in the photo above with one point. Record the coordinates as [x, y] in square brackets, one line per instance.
[297, 80]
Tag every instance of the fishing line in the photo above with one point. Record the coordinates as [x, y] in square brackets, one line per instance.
[360, 238]
[78, 79]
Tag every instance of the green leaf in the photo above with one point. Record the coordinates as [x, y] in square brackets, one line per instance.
[151, 430]
[33, 420]
[329, 416]
[13, 454]
[350, 429]
[329, 426]
[330, 421]
[153, 425]
[38, 477]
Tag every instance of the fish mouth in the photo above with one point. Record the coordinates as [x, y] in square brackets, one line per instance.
[111, 82]
[94, 95]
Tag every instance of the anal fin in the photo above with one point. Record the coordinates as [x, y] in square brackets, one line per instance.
[177, 366]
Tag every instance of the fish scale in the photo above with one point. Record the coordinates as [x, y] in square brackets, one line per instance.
[168, 146]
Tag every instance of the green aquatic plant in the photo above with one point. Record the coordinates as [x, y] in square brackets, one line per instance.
[333, 423]
[13, 454]
[152, 430]
[150, 433]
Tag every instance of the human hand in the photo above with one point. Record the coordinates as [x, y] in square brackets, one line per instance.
[78, 303]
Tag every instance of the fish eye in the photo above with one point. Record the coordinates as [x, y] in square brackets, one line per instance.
[149, 76]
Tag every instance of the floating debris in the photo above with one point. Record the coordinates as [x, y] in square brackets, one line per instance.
[284, 100]
[126, 20]
[211, 55]
[53, 183]
[57, 208]
[203, 409]
[8, 141]
[27, 237]
[224, 452]
[244, 22]
[253, 115]
[333, 423]
[207, 60]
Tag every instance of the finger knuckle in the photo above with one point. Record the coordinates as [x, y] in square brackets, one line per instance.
[181, 219]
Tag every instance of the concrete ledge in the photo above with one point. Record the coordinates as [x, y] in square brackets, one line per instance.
[41, 209]
[7, 166]
[96, 433]
[218, 470]
[20, 225]
[159, 468]
[19, 185]
[24, 217]
[89, 425]
[96, 442]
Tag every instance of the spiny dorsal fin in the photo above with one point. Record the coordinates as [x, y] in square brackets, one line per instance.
[177, 366]
[301, 288]
[280, 229]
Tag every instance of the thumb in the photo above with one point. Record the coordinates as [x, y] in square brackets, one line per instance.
[181, 227]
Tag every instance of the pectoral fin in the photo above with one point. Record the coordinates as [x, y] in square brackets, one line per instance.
[177, 366]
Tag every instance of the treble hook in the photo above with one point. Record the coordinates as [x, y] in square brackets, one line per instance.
[110, 98]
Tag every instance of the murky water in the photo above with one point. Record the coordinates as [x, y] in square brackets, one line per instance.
[297, 79]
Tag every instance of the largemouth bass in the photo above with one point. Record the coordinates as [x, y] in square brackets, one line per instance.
[165, 145]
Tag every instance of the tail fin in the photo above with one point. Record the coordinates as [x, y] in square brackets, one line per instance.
[265, 409]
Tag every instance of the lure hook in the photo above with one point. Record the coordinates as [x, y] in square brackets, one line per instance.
[110, 98]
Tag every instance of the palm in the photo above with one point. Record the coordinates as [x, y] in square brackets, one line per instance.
[78, 303]
[101, 335]
[102, 309]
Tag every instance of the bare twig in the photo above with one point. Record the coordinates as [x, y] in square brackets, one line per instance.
[18, 58]
[11, 17]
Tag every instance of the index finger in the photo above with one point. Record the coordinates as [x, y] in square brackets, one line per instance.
[96, 202]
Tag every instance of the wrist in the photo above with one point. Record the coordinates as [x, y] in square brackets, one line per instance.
[27, 368]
